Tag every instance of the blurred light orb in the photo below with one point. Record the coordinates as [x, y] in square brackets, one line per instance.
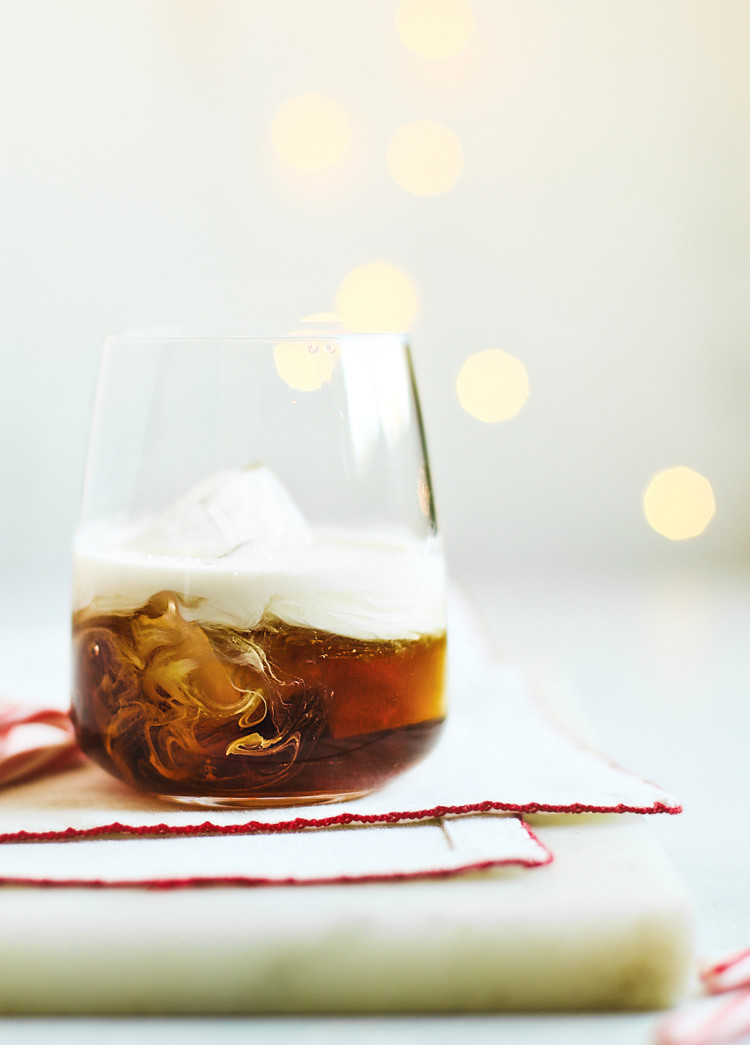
[435, 28]
[310, 132]
[424, 158]
[377, 297]
[304, 365]
[679, 503]
[492, 385]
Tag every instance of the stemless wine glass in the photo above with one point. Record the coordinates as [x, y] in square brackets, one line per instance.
[259, 604]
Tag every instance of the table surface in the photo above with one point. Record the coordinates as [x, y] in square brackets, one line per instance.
[660, 667]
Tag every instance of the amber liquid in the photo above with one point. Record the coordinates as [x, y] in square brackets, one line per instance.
[275, 715]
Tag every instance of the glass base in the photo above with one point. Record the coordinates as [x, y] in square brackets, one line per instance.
[262, 801]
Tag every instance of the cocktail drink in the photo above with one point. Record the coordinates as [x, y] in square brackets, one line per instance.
[258, 640]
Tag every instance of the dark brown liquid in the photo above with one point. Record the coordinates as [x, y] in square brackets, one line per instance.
[276, 715]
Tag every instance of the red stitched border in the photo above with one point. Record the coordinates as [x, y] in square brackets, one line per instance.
[163, 884]
[549, 856]
[534, 689]
[298, 824]
[191, 883]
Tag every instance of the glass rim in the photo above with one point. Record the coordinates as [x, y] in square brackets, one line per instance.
[194, 336]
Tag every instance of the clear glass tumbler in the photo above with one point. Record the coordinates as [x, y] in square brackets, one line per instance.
[259, 603]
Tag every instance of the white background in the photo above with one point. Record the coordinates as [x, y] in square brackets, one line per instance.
[598, 232]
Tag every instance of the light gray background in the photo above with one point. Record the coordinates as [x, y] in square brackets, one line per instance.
[598, 232]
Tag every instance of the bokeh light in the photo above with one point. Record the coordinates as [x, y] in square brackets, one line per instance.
[304, 365]
[492, 385]
[435, 28]
[377, 297]
[425, 158]
[679, 503]
[310, 132]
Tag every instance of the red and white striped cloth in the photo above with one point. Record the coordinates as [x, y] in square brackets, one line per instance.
[35, 742]
[724, 1017]
[728, 974]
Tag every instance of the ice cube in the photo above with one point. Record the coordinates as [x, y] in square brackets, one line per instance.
[236, 511]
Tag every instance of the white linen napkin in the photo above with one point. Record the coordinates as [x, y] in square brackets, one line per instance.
[499, 753]
[335, 854]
